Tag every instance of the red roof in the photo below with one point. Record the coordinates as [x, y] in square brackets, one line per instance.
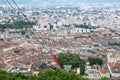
[114, 66]
[103, 71]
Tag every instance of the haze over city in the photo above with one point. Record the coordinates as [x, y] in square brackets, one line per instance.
[33, 2]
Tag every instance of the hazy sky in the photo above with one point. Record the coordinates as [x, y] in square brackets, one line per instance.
[67, 1]
[63, 1]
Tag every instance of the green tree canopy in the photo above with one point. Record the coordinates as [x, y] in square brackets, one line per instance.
[56, 74]
[94, 61]
[50, 74]
[72, 59]
[16, 25]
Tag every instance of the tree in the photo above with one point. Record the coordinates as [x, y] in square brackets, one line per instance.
[95, 61]
[72, 59]
[27, 36]
[17, 25]
[58, 74]
[50, 74]
[1, 39]
[113, 44]
[105, 78]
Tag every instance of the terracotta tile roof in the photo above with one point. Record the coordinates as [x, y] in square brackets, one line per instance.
[114, 66]
[103, 71]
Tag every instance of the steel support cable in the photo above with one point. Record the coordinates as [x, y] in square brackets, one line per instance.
[8, 4]
[22, 12]
[7, 13]
[19, 9]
